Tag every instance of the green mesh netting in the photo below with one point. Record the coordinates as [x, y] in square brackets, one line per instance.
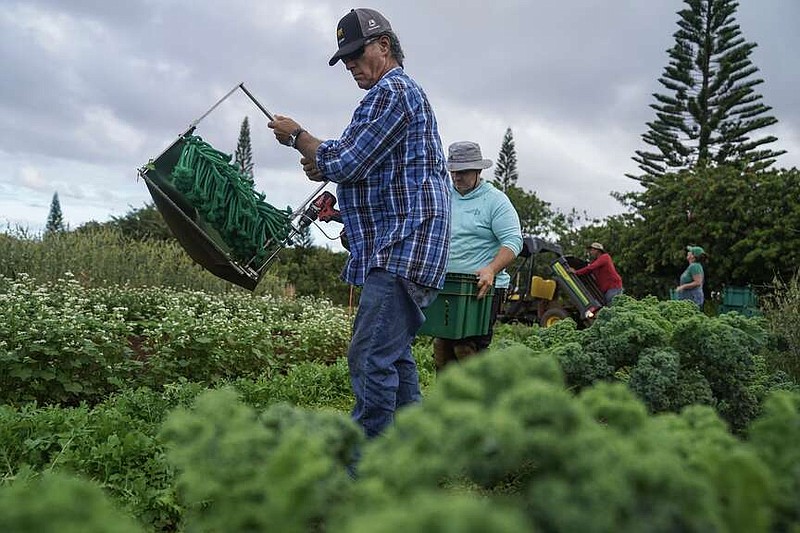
[228, 201]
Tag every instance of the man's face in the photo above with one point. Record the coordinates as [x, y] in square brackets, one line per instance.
[594, 252]
[369, 64]
[465, 180]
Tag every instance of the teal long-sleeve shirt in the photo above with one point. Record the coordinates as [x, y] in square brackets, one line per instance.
[481, 222]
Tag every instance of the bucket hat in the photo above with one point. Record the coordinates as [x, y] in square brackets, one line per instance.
[355, 28]
[466, 155]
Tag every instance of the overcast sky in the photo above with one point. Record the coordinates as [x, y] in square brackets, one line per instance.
[90, 90]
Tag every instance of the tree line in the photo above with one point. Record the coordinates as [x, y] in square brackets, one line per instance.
[706, 178]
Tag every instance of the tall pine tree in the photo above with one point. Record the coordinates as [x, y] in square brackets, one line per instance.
[244, 151]
[55, 220]
[505, 171]
[536, 216]
[305, 240]
[712, 112]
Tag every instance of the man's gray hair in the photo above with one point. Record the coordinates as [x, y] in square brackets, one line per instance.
[395, 48]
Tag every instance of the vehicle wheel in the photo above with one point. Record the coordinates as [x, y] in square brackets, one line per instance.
[551, 316]
[518, 311]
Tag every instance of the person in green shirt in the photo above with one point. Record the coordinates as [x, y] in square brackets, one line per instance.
[691, 281]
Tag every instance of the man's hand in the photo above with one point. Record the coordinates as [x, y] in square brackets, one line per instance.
[485, 277]
[311, 170]
[283, 128]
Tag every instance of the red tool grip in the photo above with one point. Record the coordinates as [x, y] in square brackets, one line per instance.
[325, 202]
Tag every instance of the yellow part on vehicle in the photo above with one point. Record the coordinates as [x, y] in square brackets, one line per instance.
[543, 288]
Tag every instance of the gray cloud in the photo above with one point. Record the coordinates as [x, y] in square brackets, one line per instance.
[92, 89]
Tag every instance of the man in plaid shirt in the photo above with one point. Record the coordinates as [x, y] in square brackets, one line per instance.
[394, 198]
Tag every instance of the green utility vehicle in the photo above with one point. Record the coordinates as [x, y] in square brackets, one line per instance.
[543, 290]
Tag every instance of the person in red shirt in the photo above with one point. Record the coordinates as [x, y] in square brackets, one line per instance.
[605, 274]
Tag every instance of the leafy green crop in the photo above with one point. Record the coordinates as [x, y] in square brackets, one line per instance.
[775, 437]
[58, 345]
[238, 471]
[62, 343]
[672, 356]
[498, 444]
[597, 462]
[56, 503]
[623, 426]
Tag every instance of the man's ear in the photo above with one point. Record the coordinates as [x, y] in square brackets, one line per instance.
[385, 43]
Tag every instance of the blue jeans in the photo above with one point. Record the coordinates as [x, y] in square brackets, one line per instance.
[694, 294]
[610, 293]
[383, 373]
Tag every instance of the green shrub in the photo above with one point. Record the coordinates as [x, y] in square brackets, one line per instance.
[116, 442]
[59, 346]
[306, 385]
[596, 462]
[672, 356]
[64, 343]
[60, 504]
[38, 436]
[113, 444]
[438, 512]
[775, 437]
[106, 257]
[498, 445]
[238, 471]
[782, 310]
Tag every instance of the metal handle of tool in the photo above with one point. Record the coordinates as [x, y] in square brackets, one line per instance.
[194, 124]
[249, 95]
[272, 117]
[329, 212]
[258, 104]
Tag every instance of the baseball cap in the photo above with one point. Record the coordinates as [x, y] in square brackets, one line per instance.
[697, 251]
[355, 28]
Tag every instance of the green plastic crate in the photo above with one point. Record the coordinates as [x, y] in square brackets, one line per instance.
[738, 297]
[457, 313]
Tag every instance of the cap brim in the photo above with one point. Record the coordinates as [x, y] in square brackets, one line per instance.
[469, 165]
[347, 49]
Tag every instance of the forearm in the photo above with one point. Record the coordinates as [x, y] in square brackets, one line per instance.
[594, 265]
[504, 257]
[284, 128]
[486, 275]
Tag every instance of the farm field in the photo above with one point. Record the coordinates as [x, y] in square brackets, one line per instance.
[153, 409]
[174, 330]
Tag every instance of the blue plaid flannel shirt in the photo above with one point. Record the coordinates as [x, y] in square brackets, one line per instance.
[393, 187]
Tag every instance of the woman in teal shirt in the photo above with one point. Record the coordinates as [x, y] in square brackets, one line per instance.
[691, 282]
[485, 237]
